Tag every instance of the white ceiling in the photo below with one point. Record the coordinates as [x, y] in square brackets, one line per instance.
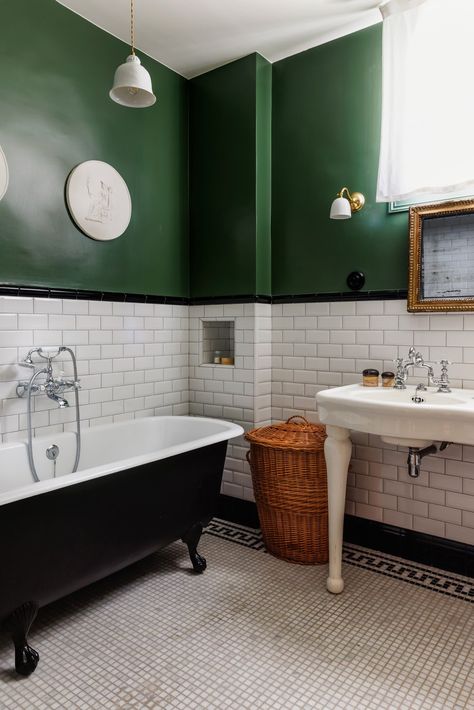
[193, 36]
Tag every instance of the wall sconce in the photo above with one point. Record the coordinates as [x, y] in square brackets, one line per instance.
[343, 207]
[132, 83]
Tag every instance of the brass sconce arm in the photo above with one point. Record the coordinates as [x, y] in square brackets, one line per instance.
[356, 199]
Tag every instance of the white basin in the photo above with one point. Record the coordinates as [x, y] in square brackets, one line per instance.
[396, 418]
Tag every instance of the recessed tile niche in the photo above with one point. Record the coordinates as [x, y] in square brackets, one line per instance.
[217, 341]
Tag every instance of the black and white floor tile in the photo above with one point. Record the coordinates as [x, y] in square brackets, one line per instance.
[252, 633]
[421, 575]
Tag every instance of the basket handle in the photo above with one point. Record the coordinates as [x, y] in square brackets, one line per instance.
[298, 416]
[247, 456]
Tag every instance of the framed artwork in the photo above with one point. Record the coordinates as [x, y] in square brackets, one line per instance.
[441, 257]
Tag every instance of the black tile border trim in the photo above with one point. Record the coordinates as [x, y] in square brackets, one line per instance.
[222, 300]
[86, 295]
[433, 580]
[392, 295]
[410, 545]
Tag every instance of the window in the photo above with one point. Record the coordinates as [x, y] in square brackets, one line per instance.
[427, 140]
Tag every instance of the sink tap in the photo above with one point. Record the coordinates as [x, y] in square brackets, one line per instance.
[415, 359]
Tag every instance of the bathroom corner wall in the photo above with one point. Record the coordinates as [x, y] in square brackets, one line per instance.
[320, 345]
[241, 393]
[326, 134]
[230, 179]
[132, 361]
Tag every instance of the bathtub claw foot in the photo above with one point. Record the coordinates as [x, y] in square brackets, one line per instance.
[18, 625]
[199, 562]
[191, 539]
[26, 659]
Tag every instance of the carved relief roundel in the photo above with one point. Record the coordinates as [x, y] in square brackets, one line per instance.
[3, 173]
[98, 200]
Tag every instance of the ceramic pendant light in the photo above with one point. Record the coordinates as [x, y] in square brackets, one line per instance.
[132, 83]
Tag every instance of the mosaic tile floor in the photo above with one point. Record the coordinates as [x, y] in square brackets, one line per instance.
[253, 632]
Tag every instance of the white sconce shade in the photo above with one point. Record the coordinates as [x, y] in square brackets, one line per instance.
[343, 207]
[132, 85]
[340, 209]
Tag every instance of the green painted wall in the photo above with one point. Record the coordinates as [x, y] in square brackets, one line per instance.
[55, 74]
[230, 188]
[268, 146]
[326, 132]
[263, 188]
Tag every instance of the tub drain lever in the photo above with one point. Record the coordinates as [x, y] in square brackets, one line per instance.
[52, 453]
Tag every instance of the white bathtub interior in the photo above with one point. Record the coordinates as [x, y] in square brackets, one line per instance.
[108, 448]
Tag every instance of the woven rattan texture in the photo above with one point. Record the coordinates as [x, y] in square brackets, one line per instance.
[300, 435]
[290, 487]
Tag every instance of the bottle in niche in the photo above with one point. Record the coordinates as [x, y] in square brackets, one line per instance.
[217, 357]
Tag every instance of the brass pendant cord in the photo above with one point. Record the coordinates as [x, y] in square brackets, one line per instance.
[132, 25]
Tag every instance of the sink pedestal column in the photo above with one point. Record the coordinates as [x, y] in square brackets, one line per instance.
[337, 450]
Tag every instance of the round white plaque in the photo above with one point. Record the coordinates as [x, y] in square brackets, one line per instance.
[3, 173]
[98, 199]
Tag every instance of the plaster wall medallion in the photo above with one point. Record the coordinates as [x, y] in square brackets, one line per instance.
[98, 199]
[4, 177]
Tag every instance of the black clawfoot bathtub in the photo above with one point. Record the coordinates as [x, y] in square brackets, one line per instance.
[155, 480]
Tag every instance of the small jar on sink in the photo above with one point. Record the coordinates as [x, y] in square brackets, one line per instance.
[388, 379]
[370, 377]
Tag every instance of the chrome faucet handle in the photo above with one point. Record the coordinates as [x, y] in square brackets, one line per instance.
[443, 382]
[399, 362]
[401, 374]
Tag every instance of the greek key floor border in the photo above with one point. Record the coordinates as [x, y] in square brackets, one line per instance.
[435, 580]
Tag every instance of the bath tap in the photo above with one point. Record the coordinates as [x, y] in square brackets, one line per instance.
[54, 388]
[62, 403]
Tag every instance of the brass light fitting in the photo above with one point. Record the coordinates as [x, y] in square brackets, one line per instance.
[343, 206]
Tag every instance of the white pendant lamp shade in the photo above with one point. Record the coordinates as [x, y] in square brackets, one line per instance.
[132, 85]
[340, 209]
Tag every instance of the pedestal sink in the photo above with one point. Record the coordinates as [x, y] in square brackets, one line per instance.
[393, 415]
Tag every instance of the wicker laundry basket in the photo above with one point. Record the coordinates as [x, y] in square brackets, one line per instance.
[290, 485]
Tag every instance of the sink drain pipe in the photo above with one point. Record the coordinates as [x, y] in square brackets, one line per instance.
[415, 455]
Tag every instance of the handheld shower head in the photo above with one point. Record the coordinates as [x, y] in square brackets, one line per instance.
[27, 363]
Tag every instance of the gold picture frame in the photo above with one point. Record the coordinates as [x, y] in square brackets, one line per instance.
[441, 257]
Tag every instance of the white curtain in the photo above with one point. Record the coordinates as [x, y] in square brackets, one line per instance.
[427, 136]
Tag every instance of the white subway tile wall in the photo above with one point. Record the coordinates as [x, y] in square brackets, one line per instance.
[132, 360]
[320, 345]
[142, 359]
[241, 392]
